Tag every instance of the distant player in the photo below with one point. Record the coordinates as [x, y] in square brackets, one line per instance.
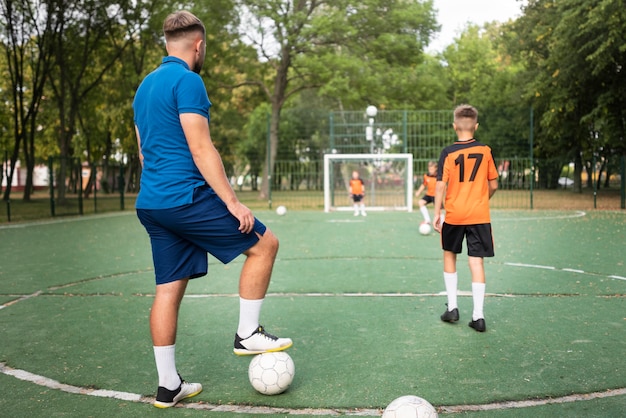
[468, 178]
[428, 184]
[357, 193]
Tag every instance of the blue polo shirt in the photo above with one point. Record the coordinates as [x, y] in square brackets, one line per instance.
[169, 174]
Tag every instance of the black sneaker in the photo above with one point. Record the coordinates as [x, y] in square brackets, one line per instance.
[167, 398]
[478, 325]
[260, 342]
[450, 316]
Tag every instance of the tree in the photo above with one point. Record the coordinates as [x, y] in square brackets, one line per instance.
[26, 40]
[604, 30]
[574, 59]
[86, 47]
[306, 44]
[106, 128]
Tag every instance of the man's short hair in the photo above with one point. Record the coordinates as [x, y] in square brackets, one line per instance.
[180, 24]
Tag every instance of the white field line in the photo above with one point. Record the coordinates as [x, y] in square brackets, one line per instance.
[576, 214]
[262, 410]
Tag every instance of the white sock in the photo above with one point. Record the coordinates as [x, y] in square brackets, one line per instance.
[478, 295]
[451, 281]
[165, 357]
[425, 213]
[249, 314]
[356, 208]
[362, 208]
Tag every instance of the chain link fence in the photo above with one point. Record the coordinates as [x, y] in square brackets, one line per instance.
[74, 187]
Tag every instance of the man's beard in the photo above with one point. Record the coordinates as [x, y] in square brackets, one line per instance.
[197, 66]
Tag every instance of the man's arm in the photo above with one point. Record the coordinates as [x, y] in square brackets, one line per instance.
[139, 145]
[209, 162]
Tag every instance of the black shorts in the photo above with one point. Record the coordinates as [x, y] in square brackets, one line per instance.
[428, 199]
[479, 239]
[357, 198]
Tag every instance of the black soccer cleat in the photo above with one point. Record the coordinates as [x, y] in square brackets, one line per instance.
[450, 316]
[478, 325]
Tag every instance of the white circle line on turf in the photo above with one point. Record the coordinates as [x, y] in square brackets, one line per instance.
[535, 266]
[569, 270]
[73, 218]
[134, 397]
[576, 214]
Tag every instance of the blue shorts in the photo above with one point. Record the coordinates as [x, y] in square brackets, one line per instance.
[182, 236]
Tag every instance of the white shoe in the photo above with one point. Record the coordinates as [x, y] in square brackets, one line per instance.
[363, 214]
[260, 342]
[167, 398]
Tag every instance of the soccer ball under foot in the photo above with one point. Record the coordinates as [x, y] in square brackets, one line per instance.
[271, 373]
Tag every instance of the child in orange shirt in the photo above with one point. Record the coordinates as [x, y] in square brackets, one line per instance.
[429, 183]
[357, 193]
[467, 177]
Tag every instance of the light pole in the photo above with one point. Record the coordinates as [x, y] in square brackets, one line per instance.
[371, 113]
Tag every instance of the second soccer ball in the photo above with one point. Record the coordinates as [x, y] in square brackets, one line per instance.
[425, 228]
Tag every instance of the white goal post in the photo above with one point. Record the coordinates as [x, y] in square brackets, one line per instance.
[388, 180]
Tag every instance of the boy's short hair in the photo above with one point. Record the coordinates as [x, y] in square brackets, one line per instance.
[466, 117]
[465, 111]
[180, 24]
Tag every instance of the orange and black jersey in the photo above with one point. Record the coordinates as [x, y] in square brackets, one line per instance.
[430, 182]
[356, 186]
[467, 167]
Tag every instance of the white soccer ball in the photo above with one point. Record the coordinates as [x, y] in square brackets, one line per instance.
[425, 228]
[271, 373]
[410, 406]
[281, 210]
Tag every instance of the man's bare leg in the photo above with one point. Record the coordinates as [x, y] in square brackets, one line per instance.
[254, 281]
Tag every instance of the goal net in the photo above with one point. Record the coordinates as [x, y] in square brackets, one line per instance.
[388, 180]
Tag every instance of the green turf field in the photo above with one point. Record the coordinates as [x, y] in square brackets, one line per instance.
[360, 297]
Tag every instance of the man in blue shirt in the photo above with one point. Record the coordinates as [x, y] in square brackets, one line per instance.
[189, 208]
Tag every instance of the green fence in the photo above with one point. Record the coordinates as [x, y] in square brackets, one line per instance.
[297, 179]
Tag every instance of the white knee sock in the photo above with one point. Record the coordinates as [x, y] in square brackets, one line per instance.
[165, 357]
[478, 295]
[249, 314]
[425, 213]
[451, 281]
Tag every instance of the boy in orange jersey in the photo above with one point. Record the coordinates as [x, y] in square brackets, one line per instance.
[429, 183]
[467, 177]
[357, 192]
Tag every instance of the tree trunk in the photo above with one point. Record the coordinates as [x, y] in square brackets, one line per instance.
[278, 99]
[270, 161]
[578, 171]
